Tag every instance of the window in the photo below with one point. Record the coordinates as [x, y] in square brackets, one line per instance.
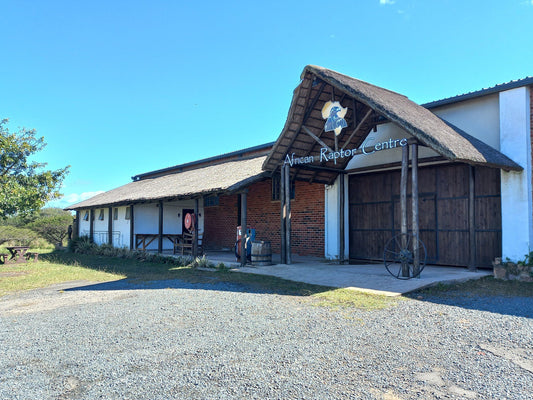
[101, 215]
[115, 214]
[211, 201]
[128, 213]
[86, 216]
[276, 188]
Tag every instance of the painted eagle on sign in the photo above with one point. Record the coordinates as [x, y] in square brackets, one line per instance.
[334, 114]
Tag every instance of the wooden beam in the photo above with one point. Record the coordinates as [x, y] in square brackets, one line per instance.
[132, 228]
[359, 125]
[283, 214]
[91, 225]
[244, 227]
[76, 226]
[110, 226]
[288, 215]
[306, 130]
[341, 219]
[403, 204]
[472, 265]
[160, 230]
[195, 226]
[313, 102]
[414, 197]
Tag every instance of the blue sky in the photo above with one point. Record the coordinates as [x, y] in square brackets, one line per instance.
[119, 88]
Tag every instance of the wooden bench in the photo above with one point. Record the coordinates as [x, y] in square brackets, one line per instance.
[4, 257]
[33, 255]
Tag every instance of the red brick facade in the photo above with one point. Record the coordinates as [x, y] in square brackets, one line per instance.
[307, 210]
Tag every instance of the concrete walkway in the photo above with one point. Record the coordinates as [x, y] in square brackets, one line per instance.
[370, 278]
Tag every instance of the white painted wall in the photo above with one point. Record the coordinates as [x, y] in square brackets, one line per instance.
[479, 117]
[84, 226]
[147, 219]
[384, 133]
[100, 226]
[121, 229]
[515, 142]
[331, 220]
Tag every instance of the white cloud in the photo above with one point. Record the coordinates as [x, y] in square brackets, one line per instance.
[72, 198]
[383, 2]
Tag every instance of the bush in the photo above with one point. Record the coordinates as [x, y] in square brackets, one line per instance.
[83, 245]
[11, 235]
[52, 225]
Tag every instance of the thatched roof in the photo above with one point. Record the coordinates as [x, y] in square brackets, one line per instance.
[227, 177]
[368, 106]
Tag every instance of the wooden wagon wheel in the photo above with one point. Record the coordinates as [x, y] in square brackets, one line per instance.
[398, 256]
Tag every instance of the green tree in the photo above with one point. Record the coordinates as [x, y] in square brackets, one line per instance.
[25, 186]
[52, 224]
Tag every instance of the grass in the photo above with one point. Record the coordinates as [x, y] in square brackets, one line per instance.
[483, 287]
[349, 298]
[33, 275]
[61, 266]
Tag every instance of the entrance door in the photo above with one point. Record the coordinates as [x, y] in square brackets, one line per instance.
[443, 213]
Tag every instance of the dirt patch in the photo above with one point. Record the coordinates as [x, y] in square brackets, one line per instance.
[56, 296]
[11, 274]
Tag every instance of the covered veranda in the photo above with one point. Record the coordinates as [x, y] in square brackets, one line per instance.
[308, 150]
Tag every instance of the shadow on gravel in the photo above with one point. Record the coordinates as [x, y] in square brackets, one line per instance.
[486, 294]
[145, 275]
[126, 284]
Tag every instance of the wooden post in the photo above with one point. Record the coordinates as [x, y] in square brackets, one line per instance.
[76, 227]
[244, 226]
[132, 229]
[91, 225]
[288, 214]
[110, 226]
[160, 226]
[472, 218]
[283, 214]
[341, 219]
[414, 192]
[195, 232]
[403, 204]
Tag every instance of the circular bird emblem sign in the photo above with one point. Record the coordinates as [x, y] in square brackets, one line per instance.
[334, 114]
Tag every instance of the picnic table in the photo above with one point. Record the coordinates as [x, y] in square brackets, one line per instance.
[17, 254]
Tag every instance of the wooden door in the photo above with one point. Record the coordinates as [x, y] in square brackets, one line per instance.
[443, 212]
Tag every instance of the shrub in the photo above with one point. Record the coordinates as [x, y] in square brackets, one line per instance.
[11, 235]
[83, 245]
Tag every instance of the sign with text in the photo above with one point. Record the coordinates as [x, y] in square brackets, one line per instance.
[326, 154]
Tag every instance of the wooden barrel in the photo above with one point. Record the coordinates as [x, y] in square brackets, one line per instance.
[261, 253]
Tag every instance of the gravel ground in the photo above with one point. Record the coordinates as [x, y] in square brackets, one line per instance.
[175, 340]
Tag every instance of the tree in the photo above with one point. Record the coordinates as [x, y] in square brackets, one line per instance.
[24, 185]
[52, 224]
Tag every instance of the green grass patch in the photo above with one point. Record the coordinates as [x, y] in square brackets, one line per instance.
[33, 275]
[62, 266]
[487, 286]
[349, 298]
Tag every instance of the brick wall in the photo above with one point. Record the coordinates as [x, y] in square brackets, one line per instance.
[220, 223]
[307, 211]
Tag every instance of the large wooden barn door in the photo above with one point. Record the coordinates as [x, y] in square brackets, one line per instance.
[443, 210]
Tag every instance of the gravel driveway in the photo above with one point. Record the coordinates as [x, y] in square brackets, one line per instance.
[175, 340]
